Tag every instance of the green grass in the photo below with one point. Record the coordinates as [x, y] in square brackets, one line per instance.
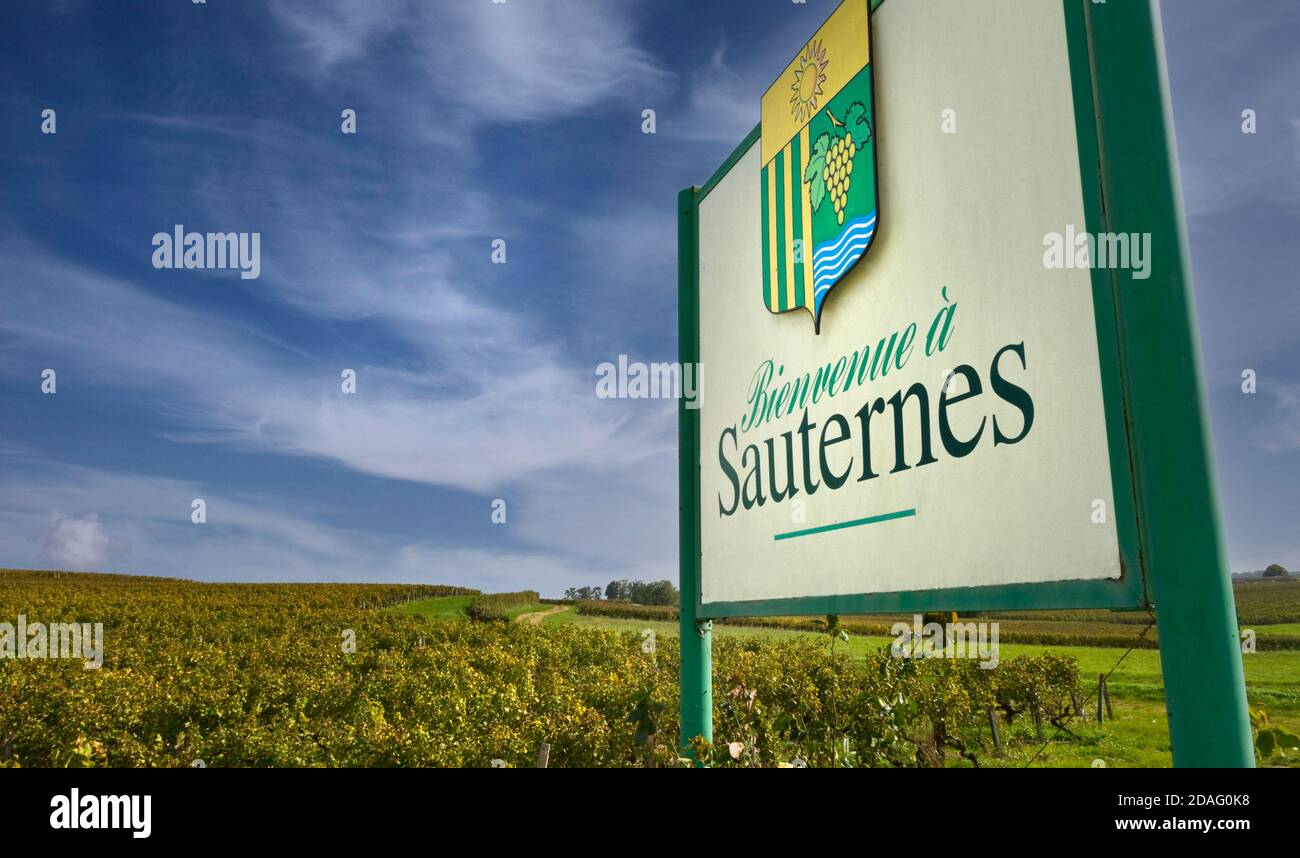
[450, 607]
[514, 611]
[442, 608]
[1139, 735]
[1052, 628]
[1275, 629]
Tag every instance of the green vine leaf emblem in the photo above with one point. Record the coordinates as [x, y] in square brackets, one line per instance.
[857, 115]
[813, 175]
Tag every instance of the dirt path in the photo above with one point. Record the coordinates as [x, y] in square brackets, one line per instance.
[535, 619]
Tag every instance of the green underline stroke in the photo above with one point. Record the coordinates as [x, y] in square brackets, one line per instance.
[857, 522]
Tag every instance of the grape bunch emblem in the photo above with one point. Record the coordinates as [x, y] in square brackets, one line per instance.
[838, 172]
[830, 169]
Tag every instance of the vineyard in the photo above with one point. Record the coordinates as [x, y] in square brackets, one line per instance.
[263, 675]
[1270, 605]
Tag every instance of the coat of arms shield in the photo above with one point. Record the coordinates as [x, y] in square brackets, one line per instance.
[818, 144]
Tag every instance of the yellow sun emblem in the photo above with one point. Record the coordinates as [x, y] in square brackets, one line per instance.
[808, 79]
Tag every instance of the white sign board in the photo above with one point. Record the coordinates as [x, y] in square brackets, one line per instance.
[1001, 474]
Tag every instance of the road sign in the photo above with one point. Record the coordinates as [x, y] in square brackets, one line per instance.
[999, 406]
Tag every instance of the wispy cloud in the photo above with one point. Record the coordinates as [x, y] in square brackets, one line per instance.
[1224, 169]
[374, 260]
[515, 409]
[499, 62]
[336, 31]
[722, 105]
[1281, 432]
[126, 522]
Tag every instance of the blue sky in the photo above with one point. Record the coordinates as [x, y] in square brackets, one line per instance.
[476, 121]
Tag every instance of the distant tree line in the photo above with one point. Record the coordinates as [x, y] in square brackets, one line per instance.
[1274, 570]
[636, 592]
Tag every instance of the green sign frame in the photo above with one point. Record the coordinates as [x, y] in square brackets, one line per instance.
[1165, 507]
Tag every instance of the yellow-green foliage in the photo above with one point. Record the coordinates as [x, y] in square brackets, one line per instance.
[627, 610]
[258, 675]
[497, 606]
[1268, 600]
[1258, 603]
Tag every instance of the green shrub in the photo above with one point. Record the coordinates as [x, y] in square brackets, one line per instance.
[627, 610]
[497, 606]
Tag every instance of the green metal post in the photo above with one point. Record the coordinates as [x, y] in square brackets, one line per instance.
[1181, 548]
[696, 709]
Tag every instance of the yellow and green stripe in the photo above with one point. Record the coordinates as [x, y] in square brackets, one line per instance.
[787, 219]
